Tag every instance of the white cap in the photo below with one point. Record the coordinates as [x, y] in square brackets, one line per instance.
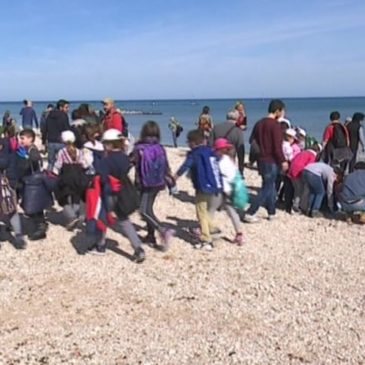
[291, 132]
[68, 137]
[302, 132]
[284, 120]
[112, 135]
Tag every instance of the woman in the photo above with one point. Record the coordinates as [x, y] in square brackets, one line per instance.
[356, 136]
[205, 122]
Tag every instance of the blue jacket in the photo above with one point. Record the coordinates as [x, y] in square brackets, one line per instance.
[353, 187]
[203, 166]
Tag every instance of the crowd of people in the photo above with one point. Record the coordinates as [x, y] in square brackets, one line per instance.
[90, 159]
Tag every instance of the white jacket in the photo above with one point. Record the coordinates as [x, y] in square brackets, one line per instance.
[228, 171]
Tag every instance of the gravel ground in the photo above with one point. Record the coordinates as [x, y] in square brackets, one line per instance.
[295, 293]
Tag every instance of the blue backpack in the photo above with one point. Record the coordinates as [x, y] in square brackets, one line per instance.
[239, 193]
[153, 165]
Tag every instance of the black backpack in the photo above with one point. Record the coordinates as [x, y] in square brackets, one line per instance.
[128, 198]
[339, 139]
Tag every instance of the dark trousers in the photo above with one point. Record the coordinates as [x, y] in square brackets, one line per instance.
[267, 194]
[148, 198]
[241, 159]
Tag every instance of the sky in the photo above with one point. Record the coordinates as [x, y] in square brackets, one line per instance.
[181, 49]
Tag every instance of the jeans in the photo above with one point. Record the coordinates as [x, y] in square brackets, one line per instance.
[316, 191]
[147, 201]
[358, 206]
[174, 139]
[53, 149]
[267, 194]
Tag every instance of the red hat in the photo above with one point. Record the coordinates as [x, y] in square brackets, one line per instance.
[222, 144]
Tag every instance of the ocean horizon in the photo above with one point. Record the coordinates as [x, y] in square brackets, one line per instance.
[310, 113]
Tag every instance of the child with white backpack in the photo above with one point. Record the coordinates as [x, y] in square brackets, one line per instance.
[234, 190]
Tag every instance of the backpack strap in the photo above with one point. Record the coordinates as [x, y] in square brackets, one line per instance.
[229, 132]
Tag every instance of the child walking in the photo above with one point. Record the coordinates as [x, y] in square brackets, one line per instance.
[113, 170]
[204, 170]
[229, 173]
[152, 173]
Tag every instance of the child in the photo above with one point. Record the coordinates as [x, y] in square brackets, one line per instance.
[152, 171]
[8, 207]
[113, 168]
[28, 162]
[229, 172]
[93, 145]
[70, 166]
[204, 169]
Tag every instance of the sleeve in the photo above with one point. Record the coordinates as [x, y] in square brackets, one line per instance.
[34, 155]
[58, 164]
[186, 166]
[277, 138]
[328, 134]
[117, 122]
[44, 131]
[330, 184]
[35, 119]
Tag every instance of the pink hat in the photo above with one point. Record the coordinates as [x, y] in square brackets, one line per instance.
[221, 144]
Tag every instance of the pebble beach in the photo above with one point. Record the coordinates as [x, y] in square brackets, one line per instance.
[293, 294]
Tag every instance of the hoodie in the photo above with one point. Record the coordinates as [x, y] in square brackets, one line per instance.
[56, 122]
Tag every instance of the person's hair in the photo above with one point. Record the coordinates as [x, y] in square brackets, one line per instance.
[358, 117]
[75, 114]
[276, 105]
[61, 103]
[89, 132]
[233, 115]
[50, 106]
[150, 130]
[335, 116]
[28, 133]
[71, 150]
[10, 131]
[206, 110]
[118, 144]
[25, 102]
[238, 103]
[195, 136]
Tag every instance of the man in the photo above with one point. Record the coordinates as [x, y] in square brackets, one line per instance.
[56, 122]
[269, 137]
[112, 119]
[28, 115]
[45, 114]
[230, 131]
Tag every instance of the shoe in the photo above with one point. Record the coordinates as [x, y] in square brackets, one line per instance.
[250, 218]
[97, 250]
[239, 240]
[216, 234]
[197, 245]
[150, 241]
[316, 214]
[196, 232]
[139, 255]
[166, 238]
[207, 246]
[73, 224]
[19, 243]
[271, 217]
[39, 234]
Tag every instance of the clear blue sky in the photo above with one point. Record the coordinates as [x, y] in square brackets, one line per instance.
[88, 49]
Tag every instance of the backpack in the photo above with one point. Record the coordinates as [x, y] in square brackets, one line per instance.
[339, 139]
[128, 198]
[8, 199]
[239, 193]
[153, 165]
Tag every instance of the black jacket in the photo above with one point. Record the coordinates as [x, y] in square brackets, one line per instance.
[56, 122]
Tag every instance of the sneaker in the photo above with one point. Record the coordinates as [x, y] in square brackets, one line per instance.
[97, 250]
[39, 234]
[216, 234]
[19, 243]
[139, 255]
[196, 232]
[239, 240]
[198, 245]
[316, 214]
[271, 217]
[207, 246]
[250, 219]
[73, 224]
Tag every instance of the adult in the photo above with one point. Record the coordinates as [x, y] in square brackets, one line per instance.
[205, 122]
[241, 123]
[336, 142]
[352, 192]
[229, 130]
[28, 115]
[354, 131]
[45, 114]
[56, 123]
[176, 129]
[7, 119]
[112, 119]
[269, 138]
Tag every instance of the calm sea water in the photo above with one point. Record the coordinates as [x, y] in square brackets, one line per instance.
[309, 113]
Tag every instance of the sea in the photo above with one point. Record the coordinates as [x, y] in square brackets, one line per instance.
[312, 114]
